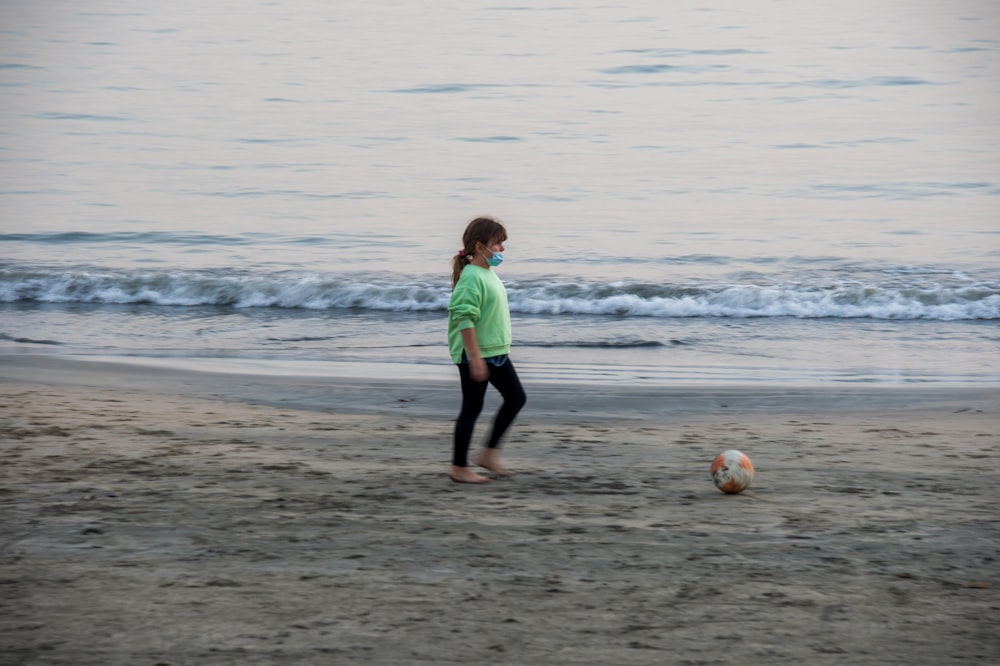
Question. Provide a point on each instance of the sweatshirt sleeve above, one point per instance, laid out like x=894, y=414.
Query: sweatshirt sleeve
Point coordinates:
x=466, y=304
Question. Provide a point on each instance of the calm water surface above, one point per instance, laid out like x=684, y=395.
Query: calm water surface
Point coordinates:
x=777, y=193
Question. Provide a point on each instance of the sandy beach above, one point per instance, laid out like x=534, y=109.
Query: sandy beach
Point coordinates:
x=166, y=516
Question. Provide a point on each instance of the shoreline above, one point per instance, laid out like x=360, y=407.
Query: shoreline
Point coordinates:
x=179, y=517
x=378, y=388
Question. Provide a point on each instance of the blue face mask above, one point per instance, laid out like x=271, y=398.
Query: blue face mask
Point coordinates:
x=496, y=259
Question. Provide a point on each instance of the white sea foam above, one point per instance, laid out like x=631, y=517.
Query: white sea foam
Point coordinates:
x=945, y=300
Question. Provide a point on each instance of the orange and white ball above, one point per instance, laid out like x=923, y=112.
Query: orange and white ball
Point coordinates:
x=732, y=471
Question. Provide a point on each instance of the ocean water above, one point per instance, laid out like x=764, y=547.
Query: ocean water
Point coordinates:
x=783, y=192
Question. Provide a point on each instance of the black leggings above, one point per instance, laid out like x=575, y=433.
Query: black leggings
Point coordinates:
x=505, y=379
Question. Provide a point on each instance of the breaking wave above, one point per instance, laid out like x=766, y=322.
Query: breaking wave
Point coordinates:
x=901, y=296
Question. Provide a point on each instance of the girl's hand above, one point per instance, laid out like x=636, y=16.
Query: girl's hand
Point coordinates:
x=478, y=370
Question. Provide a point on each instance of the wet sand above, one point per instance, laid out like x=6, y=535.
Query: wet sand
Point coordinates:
x=157, y=516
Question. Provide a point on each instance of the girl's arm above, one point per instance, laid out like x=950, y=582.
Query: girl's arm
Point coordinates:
x=477, y=366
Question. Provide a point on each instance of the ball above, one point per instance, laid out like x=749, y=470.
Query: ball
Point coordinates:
x=732, y=471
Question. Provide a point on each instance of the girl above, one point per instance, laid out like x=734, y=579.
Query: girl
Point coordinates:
x=479, y=341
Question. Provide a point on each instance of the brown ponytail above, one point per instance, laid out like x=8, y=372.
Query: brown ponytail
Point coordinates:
x=485, y=230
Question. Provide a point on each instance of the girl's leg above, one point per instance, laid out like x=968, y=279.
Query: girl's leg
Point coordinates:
x=473, y=394
x=507, y=382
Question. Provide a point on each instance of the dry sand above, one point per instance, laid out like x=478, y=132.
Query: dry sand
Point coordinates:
x=145, y=522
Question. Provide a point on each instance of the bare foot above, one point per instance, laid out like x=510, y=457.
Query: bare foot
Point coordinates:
x=490, y=459
x=465, y=475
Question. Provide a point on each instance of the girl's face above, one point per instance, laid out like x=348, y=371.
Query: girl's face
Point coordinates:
x=495, y=245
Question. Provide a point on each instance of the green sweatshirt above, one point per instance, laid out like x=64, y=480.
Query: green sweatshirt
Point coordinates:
x=479, y=301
